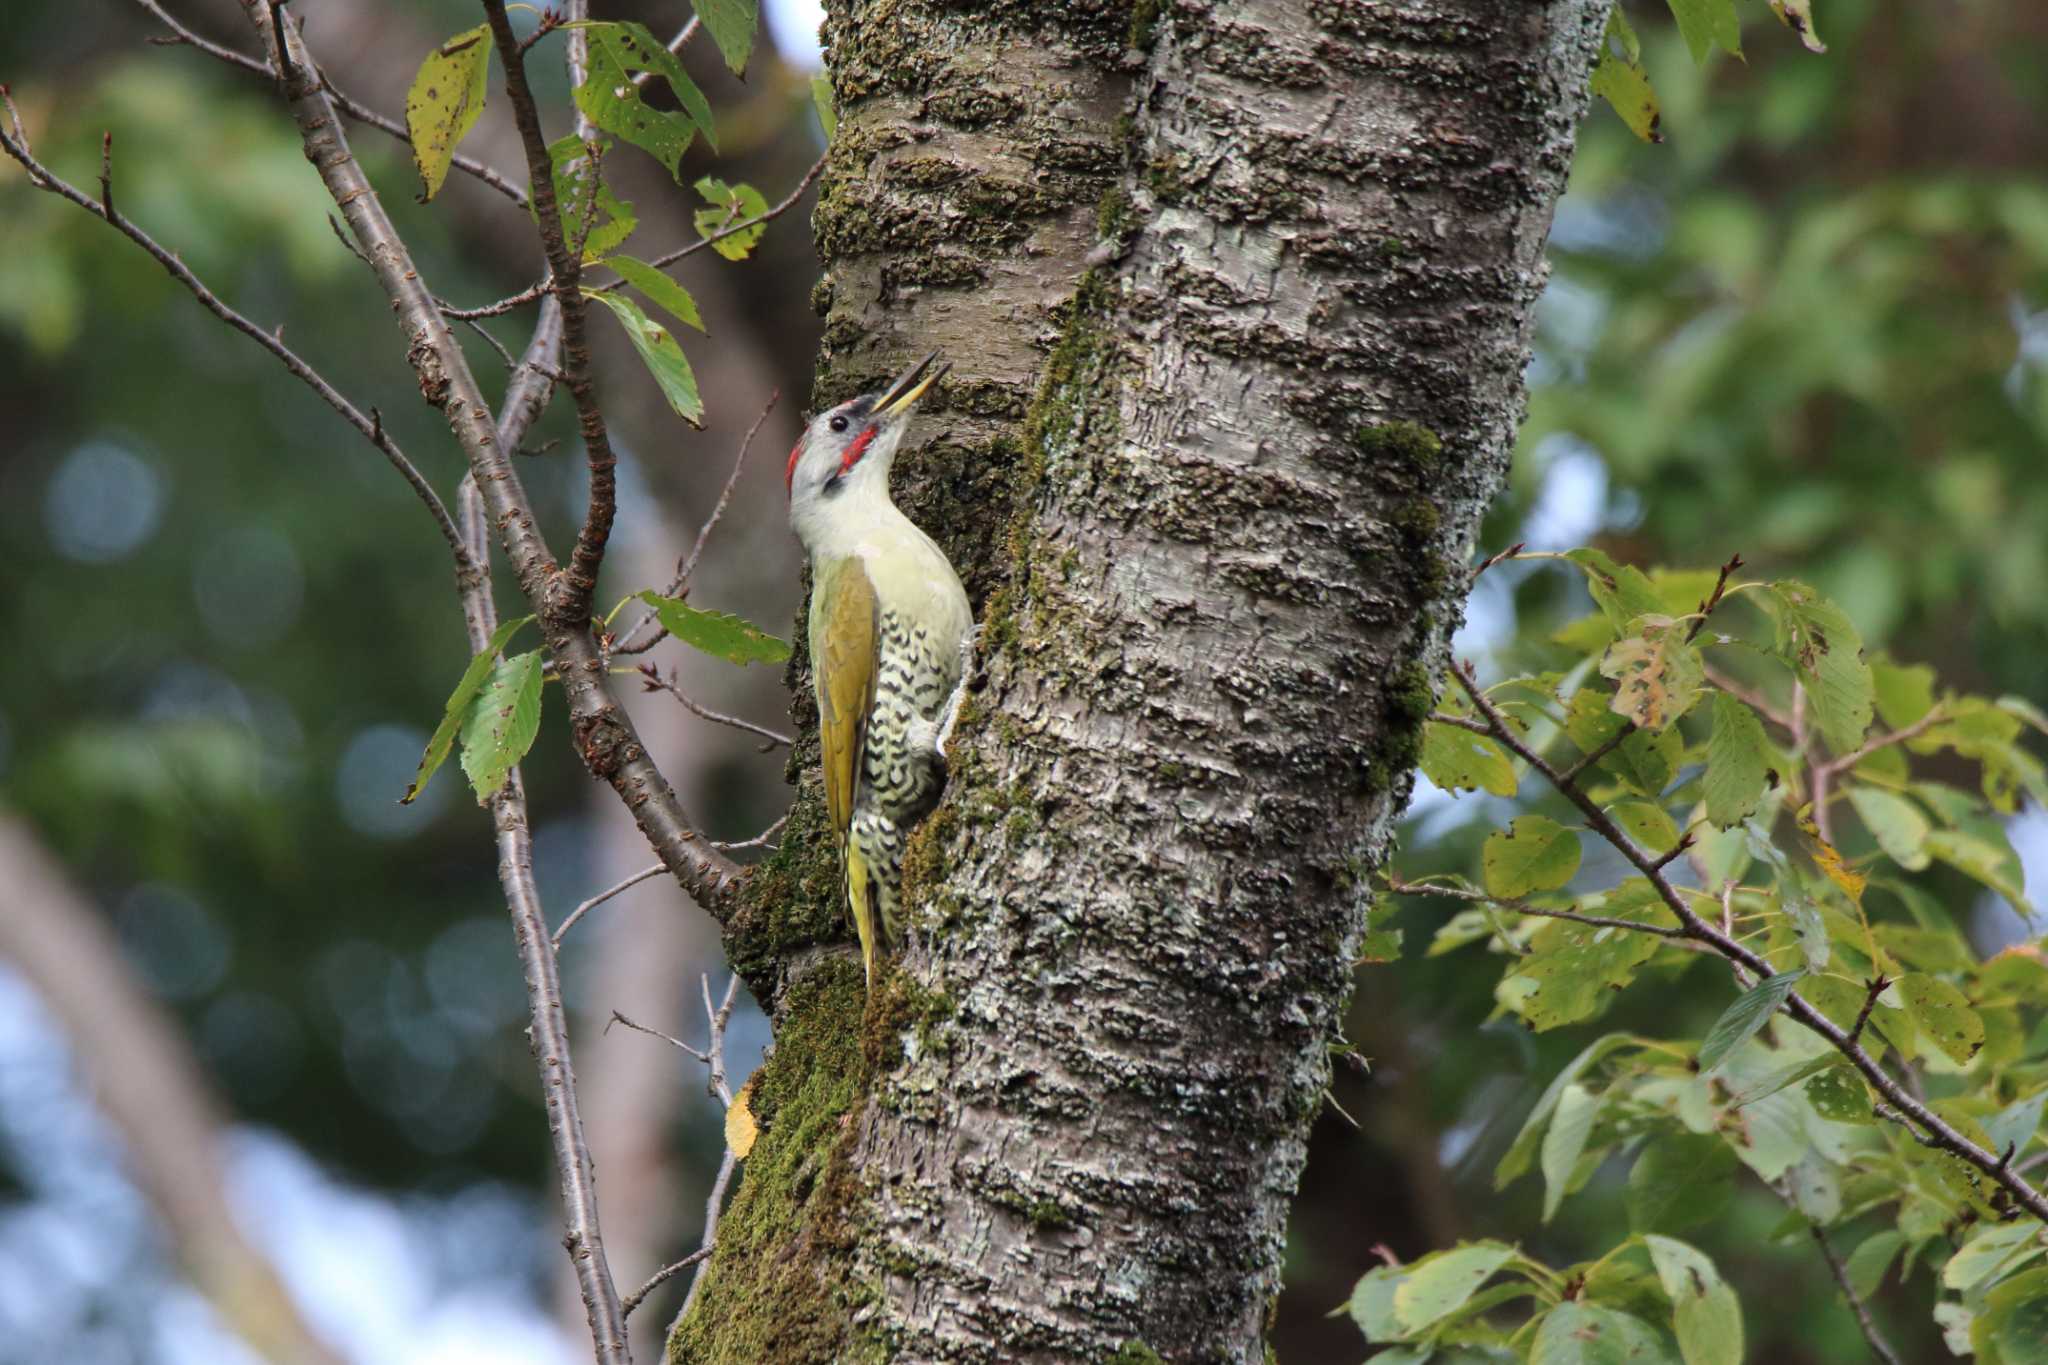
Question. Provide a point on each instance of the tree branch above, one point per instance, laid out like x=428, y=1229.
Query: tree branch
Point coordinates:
x=603, y=734
x=1927, y=1125
x=40, y=176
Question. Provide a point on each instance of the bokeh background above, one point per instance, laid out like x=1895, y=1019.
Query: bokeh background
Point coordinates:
x=1811, y=327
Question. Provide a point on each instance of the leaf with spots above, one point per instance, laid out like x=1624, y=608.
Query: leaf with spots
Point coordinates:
x=1587, y=1334
x=591, y=213
x=1456, y=759
x=444, y=103
x=1816, y=638
x=1797, y=15
x=661, y=354
x=610, y=100
x=1439, y=1284
x=1535, y=853
x=1704, y=1308
x=1830, y=861
x=715, y=632
x=730, y=204
x=1619, y=78
x=732, y=24
x=502, y=723
x=1944, y=1016
x=1657, y=673
x=452, y=714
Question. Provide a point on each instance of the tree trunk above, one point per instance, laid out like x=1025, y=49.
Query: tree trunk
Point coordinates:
x=1238, y=298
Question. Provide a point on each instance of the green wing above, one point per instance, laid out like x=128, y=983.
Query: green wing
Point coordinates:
x=843, y=630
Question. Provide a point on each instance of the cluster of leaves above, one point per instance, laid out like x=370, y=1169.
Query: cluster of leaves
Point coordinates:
x=494, y=711
x=447, y=97
x=1618, y=75
x=1759, y=774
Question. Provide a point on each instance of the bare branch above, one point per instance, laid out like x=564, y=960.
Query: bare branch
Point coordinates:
x=653, y=681
x=1926, y=1125
x=1477, y=727
x=502, y=306
x=619, y=1018
x=601, y=897
x=16, y=146
x=1522, y=907
x=667, y=1272
x=660, y=262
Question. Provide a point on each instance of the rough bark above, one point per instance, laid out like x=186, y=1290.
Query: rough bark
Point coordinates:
x=1238, y=299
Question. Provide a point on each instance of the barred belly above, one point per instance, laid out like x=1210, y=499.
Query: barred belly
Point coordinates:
x=901, y=774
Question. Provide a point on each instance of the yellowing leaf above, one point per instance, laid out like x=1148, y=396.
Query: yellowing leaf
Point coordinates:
x=446, y=98
x=740, y=1128
x=1821, y=644
x=1657, y=673
x=1619, y=78
x=1829, y=861
x=1535, y=853
x=1797, y=15
x=1944, y=1015
x=1458, y=760
x=730, y=205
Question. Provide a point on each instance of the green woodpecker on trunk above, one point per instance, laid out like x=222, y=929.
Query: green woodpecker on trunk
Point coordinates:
x=891, y=634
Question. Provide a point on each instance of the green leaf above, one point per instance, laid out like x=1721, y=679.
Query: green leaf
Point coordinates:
x=1647, y=824
x=1797, y=15
x=661, y=354
x=664, y=292
x=2015, y=1320
x=1439, y=1284
x=1740, y=1021
x=1904, y=694
x=715, y=632
x=1790, y=1074
x=1587, y=1334
x=1619, y=78
x=2012, y=1127
x=591, y=213
x=1523, y=1149
x=1535, y=853
x=610, y=100
x=1871, y=1258
x=1738, y=762
x=1820, y=643
x=1680, y=1181
x=730, y=204
x=1815, y=1187
x=466, y=688
x=1565, y=1143
x=1457, y=760
x=501, y=723
x=1944, y=1015
x=821, y=95
x=732, y=24
x=1573, y=971
x=1708, y=1318
x=1994, y=1249
x=1380, y=943
x=1896, y=823
x=1996, y=866
x=1705, y=23
x=1372, y=1303
x=1620, y=590
x=1657, y=674
x=446, y=98
x=1837, y=1093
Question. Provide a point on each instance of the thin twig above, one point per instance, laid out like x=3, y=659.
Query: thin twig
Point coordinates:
x=679, y=586
x=660, y=262
x=618, y=1018
x=1929, y=1127
x=1755, y=700
x=1872, y=989
x=1522, y=907
x=1477, y=727
x=1497, y=557
x=1836, y=767
x=1713, y=599
x=601, y=897
x=666, y=1273
x=652, y=680
x=43, y=178
x=1879, y=1347
x=502, y=306
x=468, y=165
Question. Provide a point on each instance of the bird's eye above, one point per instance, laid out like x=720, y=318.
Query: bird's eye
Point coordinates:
x=838, y=424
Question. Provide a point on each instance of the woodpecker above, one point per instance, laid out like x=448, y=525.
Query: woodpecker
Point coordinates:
x=891, y=635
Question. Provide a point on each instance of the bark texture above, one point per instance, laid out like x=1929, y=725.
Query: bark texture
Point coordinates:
x=1238, y=299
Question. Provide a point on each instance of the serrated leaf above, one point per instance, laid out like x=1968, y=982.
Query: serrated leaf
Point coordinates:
x=1573, y=971
x=716, y=632
x=1565, y=1143
x=732, y=24
x=1455, y=759
x=1620, y=590
x=466, y=688
x=591, y=213
x=1535, y=853
x=1619, y=78
x=1873, y=1256
x=1648, y=824
x=1740, y=1021
x=1896, y=823
x=662, y=291
x=1523, y=1149
x=501, y=723
x=446, y=98
x=1999, y=1247
x=1680, y=1181
x=1943, y=1015
x=1816, y=638
x=1704, y=1308
x=1439, y=1284
x=730, y=204
x=821, y=96
x=1738, y=762
x=1705, y=23
x=1797, y=15
x=1587, y=1334
x=610, y=100
x=1657, y=674
x=660, y=352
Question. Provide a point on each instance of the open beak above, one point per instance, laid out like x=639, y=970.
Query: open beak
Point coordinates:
x=910, y=386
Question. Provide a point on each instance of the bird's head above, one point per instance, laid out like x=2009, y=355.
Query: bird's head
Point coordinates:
x=847, y=450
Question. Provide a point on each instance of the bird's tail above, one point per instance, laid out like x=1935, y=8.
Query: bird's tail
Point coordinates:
x=863, y=913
